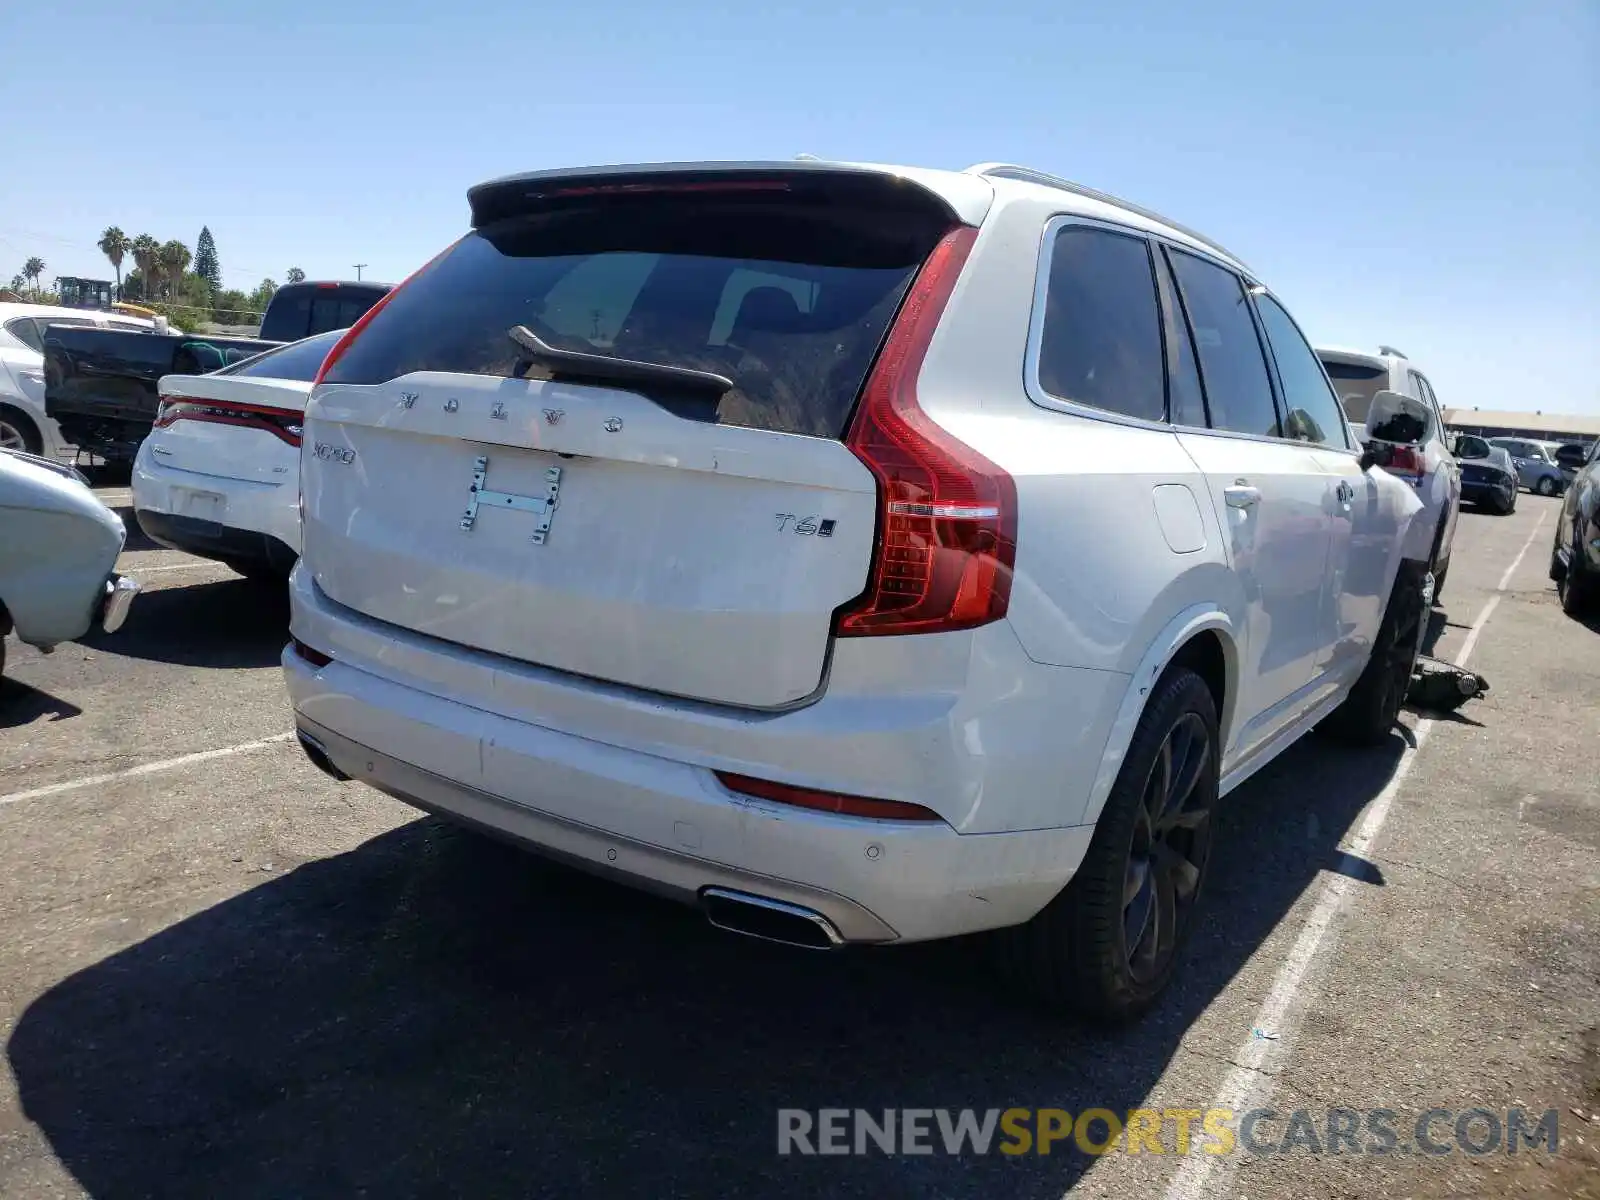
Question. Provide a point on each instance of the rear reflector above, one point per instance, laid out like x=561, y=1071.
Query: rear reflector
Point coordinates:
x=313, y=656
x=832, y=802
x=947, y=522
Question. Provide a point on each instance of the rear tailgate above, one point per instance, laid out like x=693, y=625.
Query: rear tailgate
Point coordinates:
x=633, y=532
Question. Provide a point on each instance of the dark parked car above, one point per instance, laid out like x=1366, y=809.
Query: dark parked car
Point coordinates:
x=100, y=384
x=1488, y=476
x=1571, y=457
x=1575, y=556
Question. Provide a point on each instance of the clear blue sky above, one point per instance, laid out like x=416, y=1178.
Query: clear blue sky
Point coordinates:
x=1419, y=172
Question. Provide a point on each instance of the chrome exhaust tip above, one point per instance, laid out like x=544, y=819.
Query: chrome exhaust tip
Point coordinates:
x=318, y=754
x=769, y=920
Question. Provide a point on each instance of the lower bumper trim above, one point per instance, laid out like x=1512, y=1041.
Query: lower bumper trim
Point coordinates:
x=673, y=874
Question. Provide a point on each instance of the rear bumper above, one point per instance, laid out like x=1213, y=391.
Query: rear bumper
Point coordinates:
x=210, y=539
x=652, y=811
x=1501, y=489
x=254, y=522
x=669, y=827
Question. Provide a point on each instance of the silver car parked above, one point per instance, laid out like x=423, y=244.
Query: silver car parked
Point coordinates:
x=58, y=553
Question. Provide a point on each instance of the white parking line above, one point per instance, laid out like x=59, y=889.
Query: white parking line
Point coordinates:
x=150, y=768
x=188, y=566
x=1249, y=1084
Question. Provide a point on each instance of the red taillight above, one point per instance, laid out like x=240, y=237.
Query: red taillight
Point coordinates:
x=1405, y=462
x=833, y=802
x=947, y=524
x=313, y=656
x=365, y=318
x=280, y=423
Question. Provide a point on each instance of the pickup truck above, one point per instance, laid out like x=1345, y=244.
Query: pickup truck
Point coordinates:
x=101, y=384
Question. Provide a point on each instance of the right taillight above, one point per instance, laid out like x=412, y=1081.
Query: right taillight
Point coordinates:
x=1406, y=463
x=947, y=519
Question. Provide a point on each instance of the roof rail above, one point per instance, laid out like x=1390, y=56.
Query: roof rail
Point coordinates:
x=1029, y=175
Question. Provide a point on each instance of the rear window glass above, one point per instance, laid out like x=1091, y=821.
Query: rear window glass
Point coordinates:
x=1356, y=385
x=288, y=317
x=300, y=360
x=335, y=311
x=788, y=299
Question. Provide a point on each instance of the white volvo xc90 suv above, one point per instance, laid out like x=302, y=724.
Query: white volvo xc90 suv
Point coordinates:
x=866, y=554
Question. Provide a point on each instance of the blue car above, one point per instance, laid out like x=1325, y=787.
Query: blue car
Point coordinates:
x=1536, y=467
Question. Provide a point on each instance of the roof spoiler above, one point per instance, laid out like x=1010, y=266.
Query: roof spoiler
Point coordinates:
x=540, y=191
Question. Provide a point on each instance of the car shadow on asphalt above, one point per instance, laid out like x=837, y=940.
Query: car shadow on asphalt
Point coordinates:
x=137, y=538
x=435, y=1013
x=225, y=623
x=21, y=705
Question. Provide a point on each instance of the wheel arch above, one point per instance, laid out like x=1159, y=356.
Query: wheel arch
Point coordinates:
x=1203, y=638
x=28, y=421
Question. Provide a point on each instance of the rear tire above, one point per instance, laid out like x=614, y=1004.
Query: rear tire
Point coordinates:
x=1370, y=711
x=1545, y=487
x=1439, y=573
x=1576, y=587
x=1144, y=873
x=18, y=432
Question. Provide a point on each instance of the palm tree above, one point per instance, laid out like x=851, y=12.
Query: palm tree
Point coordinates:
x=32, y=269
x=146, y=253
x=174, y=262
x=114, y=244
x=295, y=275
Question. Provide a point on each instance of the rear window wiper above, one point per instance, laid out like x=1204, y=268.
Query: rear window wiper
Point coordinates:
x=646, y=377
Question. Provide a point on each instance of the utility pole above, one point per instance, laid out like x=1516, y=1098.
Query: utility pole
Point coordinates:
x=358, y=267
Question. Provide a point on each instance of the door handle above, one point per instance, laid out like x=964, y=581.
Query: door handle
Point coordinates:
x=1242, y=495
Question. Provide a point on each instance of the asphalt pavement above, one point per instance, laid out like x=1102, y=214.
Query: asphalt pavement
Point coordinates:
x=223, y=974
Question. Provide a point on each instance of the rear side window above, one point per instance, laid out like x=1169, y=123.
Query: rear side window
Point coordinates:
x=789, y=299
x=1311, y=412
x=22, y=328
x=1356, y=386
x=31, y=330
x=299, y=360
x=1100, y=344
x=1233, y=367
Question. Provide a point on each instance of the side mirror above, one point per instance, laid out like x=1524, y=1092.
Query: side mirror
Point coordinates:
x=1395, y=419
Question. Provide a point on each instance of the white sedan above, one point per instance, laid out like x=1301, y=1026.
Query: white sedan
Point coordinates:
x=219, y=475
x=23, y=423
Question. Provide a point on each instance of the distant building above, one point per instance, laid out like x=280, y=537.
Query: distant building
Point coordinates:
x=1540, y=426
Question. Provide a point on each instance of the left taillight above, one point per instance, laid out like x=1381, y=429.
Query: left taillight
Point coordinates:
x=280, y=423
